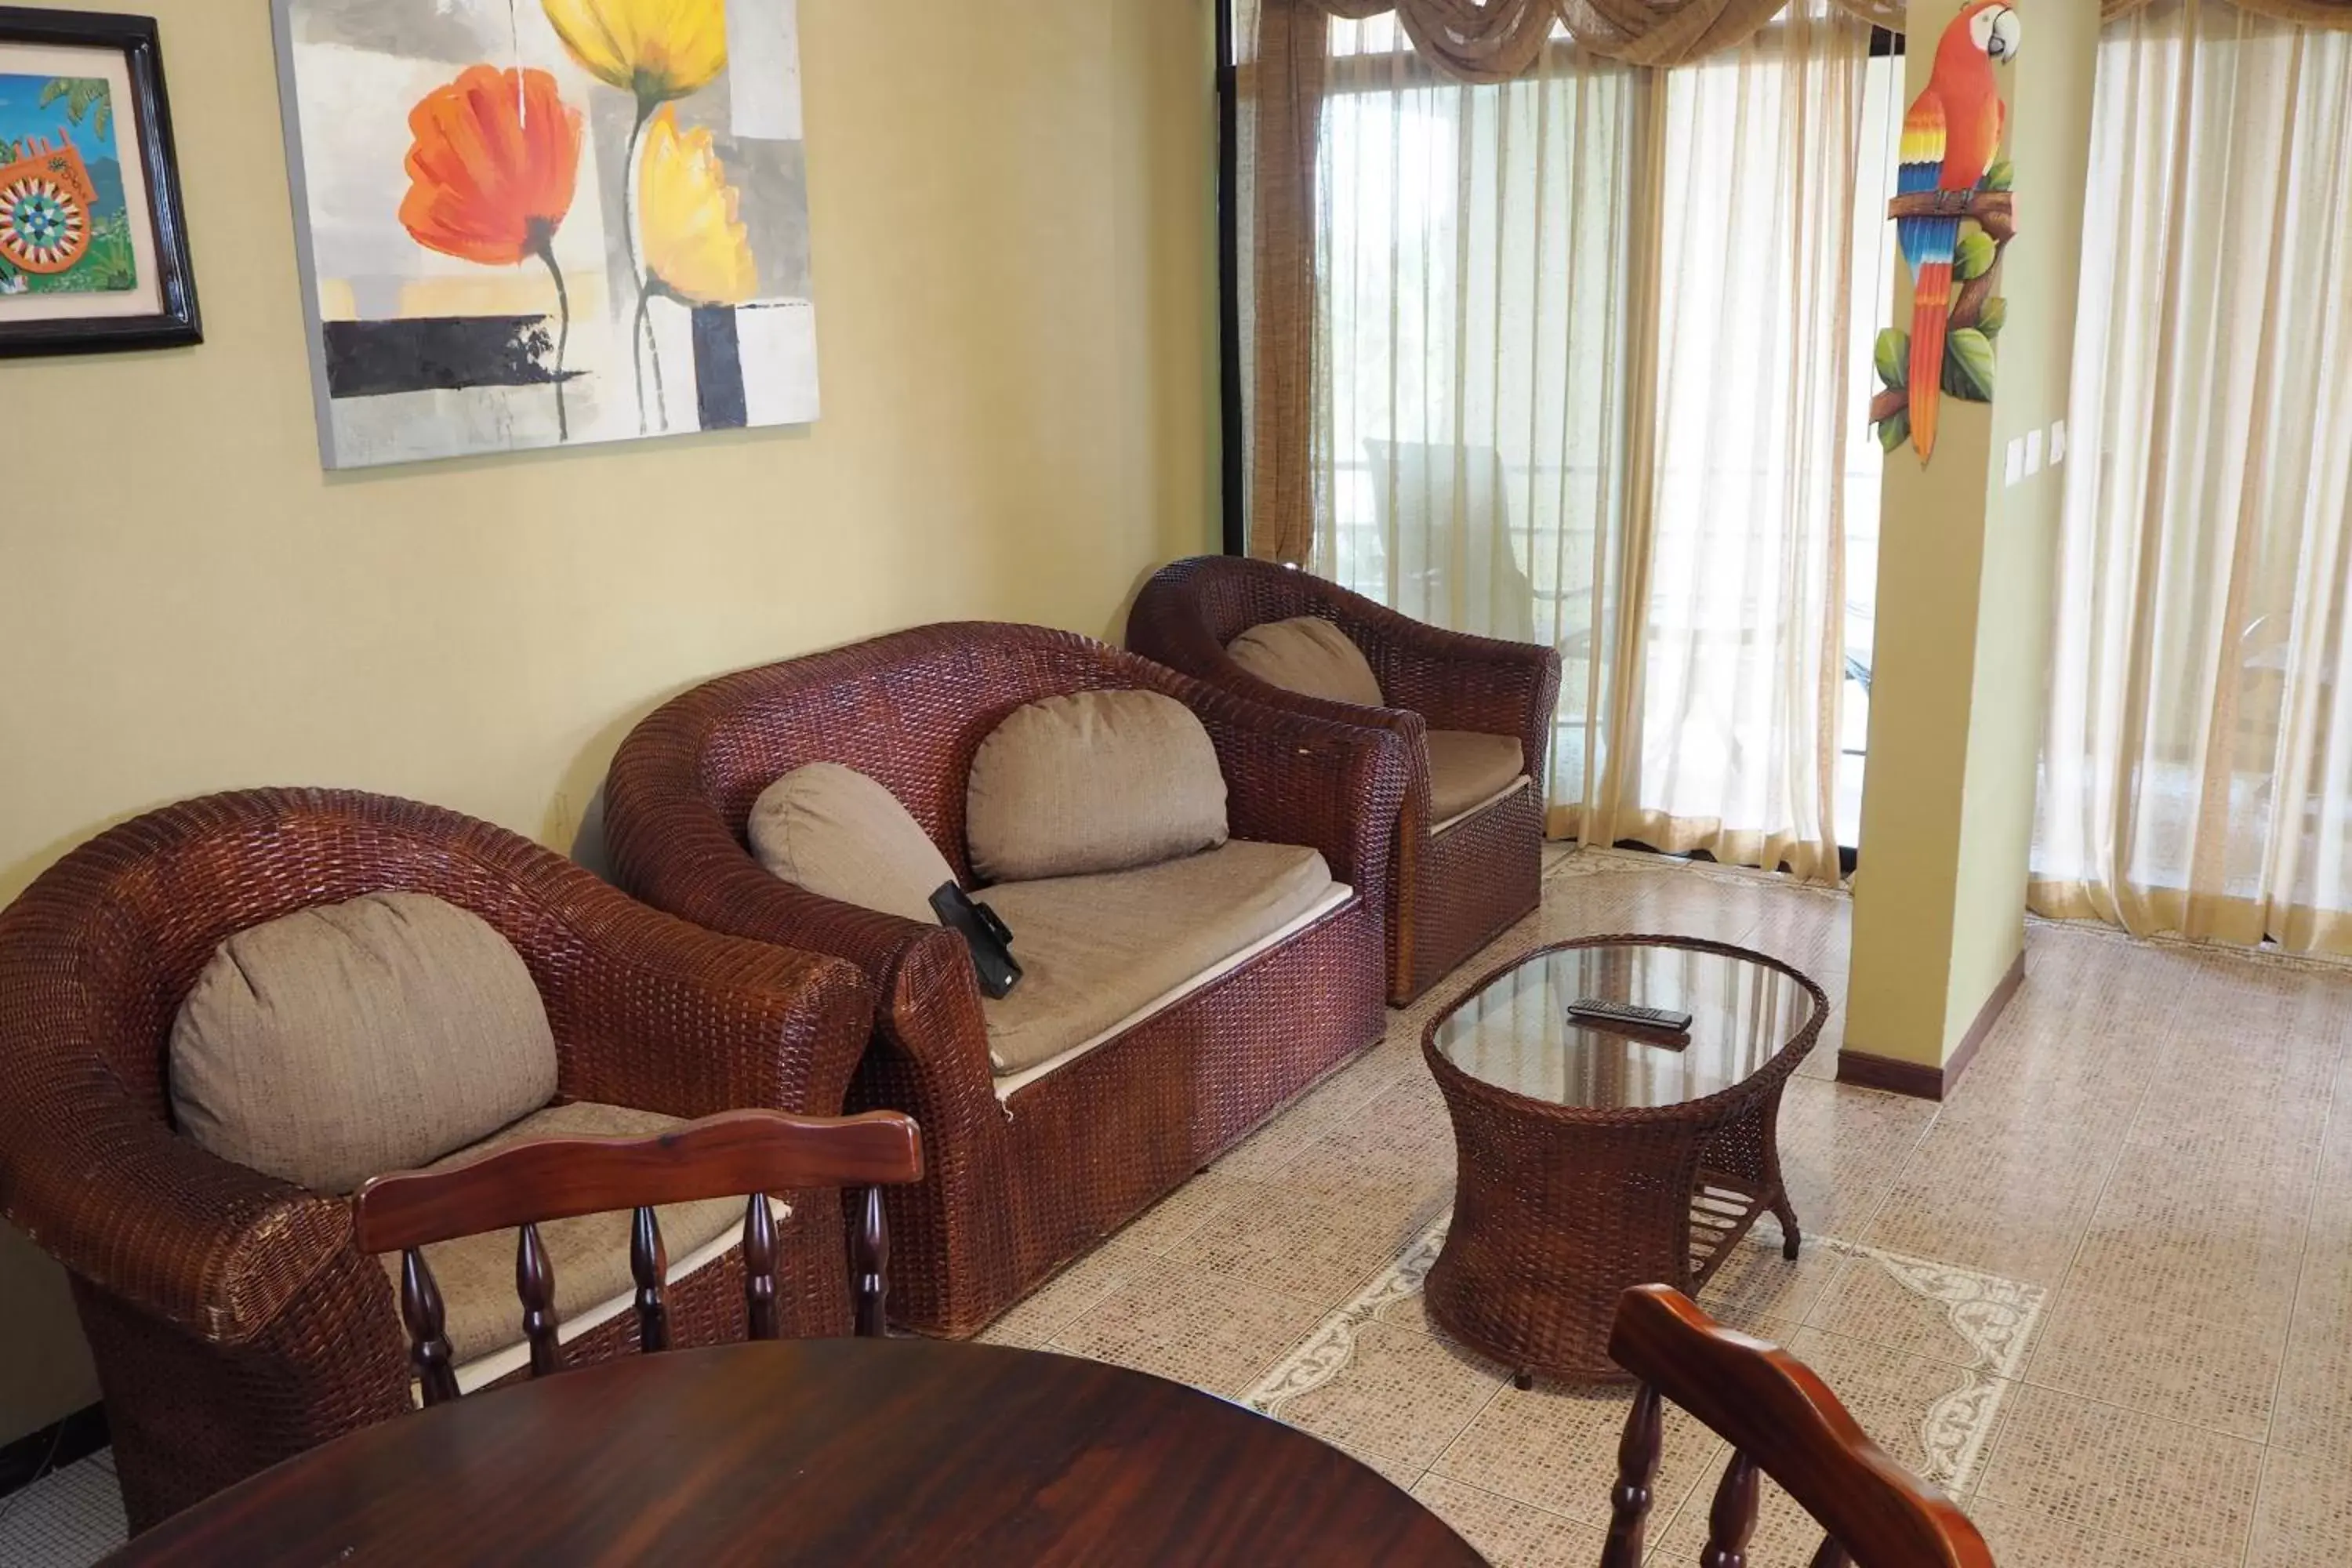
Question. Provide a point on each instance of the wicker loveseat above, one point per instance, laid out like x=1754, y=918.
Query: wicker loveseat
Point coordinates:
x=1454, y=884
x=233, y=1320
x=1022, y=1175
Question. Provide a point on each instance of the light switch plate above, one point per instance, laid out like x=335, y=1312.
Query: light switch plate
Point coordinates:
x=2033, y=453
x=2016, y=459
x=2057, y=443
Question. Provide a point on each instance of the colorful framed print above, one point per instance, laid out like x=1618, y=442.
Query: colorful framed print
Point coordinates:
x=93, y=242
x=528, y=224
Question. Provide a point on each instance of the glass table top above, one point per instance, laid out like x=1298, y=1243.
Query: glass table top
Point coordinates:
x=1517, y=1035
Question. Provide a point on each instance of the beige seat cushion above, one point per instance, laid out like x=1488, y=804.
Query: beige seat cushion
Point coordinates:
x=348, y=1039
x=1311, y=656
x=1467, y=769
x=840, y=834
x=1098, y=949
x=588, y=1253
x=1097, y=781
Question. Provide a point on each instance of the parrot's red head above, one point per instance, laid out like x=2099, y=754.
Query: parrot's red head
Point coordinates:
x=1990, y=29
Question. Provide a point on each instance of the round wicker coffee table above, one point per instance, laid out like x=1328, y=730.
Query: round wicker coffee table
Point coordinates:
x=1595, y=1158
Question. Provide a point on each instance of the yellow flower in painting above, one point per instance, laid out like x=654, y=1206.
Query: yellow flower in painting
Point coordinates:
x=657, y=50
x=696, y=244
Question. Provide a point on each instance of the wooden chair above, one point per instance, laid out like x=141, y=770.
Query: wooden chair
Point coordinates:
x=523, y=1184
x=1781, y=1421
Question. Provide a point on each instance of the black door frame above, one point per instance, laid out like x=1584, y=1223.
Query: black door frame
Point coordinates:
x=1229, y=286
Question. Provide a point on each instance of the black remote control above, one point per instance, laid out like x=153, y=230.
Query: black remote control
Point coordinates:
x=988, y=938
x=1657, y=1019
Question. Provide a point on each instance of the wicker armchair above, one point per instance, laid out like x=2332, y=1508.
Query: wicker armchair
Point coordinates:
x=1450, y=891
x=234, y=1320
x=1014, y=1188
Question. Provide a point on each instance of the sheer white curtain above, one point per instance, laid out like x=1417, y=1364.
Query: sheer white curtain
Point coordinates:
x=1728, y=738
x=1588, y=370
x=1473, y=257
x=2198, y=770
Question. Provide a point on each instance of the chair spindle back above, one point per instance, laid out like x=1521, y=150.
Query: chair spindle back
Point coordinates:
x=1781, y=1421
x=523, y=1184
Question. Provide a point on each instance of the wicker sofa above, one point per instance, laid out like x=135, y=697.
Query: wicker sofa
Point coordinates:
x=233, y=1320
x=1022, y=1175
x=1453, y=885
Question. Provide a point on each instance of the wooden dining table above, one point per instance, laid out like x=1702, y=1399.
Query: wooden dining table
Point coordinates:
x=819, y=1451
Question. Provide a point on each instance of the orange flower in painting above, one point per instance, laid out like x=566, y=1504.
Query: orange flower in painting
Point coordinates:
x=494, y=166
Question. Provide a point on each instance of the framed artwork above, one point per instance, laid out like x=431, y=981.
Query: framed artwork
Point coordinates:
x=539, y=223
x=93, y=245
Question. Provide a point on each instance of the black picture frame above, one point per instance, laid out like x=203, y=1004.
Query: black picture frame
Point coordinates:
x=178, y=324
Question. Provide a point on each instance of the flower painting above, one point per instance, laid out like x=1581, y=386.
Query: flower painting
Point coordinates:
x=540, y=223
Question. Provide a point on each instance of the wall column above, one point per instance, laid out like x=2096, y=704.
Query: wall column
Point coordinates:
x=1966, y=561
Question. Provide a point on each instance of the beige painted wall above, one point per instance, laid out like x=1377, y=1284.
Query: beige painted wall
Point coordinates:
x=1961, y=686
x=1011, y=206
x=2051, y=123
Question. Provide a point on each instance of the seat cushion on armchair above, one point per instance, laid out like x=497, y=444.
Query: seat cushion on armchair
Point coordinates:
x=1093, y=782
x=588, y=1254
x=840, y=834
x=348, y=1039
x=1098, y=950
x=1310, y=655
x=1466, y=770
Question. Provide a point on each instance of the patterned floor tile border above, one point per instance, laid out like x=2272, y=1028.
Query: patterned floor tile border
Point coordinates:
x=1324, y=1354
x=1995, y=1317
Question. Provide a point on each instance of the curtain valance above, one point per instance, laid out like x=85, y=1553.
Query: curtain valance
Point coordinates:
x=1495, y=40
x=2303, y=13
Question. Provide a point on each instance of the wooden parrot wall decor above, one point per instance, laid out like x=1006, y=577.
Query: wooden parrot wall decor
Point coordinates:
x=1953, y=216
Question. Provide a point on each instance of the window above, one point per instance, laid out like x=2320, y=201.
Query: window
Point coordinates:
x=1498, y=398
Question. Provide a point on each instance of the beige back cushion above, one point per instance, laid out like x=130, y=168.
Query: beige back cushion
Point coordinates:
x=840, y=834
x=348, y=1040
x=1099, y=780
x=1311, y=656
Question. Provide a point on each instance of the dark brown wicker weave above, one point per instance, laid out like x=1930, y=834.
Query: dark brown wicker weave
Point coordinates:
x=1014, y=1190
x=1559, y=1210
x=1448, y=895
x=234, y=1320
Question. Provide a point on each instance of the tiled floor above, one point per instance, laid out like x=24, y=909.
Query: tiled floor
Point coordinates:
x=2104, y=1294
x=65, y=1520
